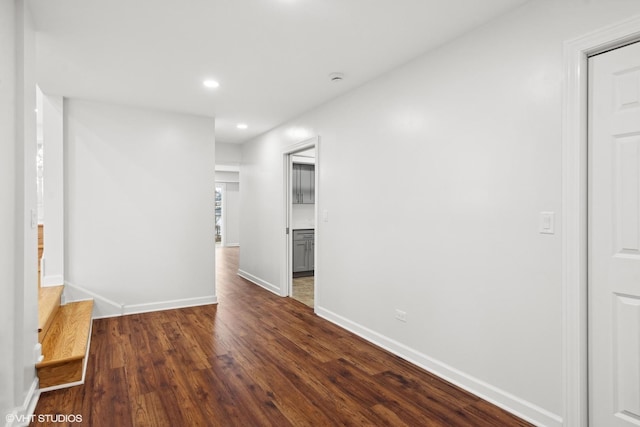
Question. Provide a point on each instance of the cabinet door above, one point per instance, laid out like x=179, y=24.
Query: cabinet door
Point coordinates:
x=300, y=256
x=295, y=184
x=307, y=184
x=311, y=255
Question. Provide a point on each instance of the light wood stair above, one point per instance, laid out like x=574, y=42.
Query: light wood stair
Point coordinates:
x=48, y=303
x=65, y=334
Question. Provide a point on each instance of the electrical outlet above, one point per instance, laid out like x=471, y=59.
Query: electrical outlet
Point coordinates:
x=401, y=315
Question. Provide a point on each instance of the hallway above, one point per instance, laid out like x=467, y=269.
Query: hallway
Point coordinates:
x=255, y=359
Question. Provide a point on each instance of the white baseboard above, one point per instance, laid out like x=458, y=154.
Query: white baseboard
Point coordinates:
x=104, y=307
x=258, y=281
x=22, y=415
x=169, y=305
x=517, y=406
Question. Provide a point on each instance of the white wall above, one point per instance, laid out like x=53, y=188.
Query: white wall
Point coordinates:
x=303, y=216
x=473, y=131
x=231, y=207
x=26, y=206
x=52, y=127
x=18, y=245
x=227, y=166
x=227, y=176
x=8, y=311
x=228, y=154
x=139, y=207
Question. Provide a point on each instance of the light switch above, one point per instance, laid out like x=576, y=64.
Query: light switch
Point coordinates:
x=325, y=215
x=547, y=222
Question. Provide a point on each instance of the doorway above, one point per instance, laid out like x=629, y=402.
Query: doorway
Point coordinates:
x=301, y=192
x=218, y=213
x=227, y=210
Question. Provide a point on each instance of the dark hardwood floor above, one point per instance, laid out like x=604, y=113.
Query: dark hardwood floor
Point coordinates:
x=255, y=359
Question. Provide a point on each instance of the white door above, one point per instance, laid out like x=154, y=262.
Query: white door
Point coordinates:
x=614, y=238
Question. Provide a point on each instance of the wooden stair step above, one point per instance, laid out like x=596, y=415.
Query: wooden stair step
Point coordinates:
x=48, y=303
x=65, y=345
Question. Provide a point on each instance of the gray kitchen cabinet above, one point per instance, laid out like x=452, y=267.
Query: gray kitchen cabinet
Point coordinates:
x=303, y=250
x=304, y=183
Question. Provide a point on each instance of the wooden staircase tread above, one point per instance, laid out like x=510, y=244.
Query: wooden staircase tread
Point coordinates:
x=68, y=334
x=48, y=303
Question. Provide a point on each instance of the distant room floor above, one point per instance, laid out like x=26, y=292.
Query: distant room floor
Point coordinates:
x=303, y=290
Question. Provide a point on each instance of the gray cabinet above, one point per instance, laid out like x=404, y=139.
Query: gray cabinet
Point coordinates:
x=304, y=183
x=303, y=249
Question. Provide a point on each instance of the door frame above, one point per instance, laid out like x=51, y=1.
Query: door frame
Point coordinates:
x=574, y=210
x=288, y=152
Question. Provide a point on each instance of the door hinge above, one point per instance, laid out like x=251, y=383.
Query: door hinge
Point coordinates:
x=287, y=230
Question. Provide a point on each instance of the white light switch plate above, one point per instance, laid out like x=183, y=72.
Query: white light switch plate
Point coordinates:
x=547, y=222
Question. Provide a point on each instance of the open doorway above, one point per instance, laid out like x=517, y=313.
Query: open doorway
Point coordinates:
x=218, y=214
x=302, y=198
x=227, y=210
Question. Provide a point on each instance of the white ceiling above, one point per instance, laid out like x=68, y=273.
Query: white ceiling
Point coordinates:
x=271, y=57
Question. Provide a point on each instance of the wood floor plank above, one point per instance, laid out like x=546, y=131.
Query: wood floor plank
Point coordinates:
x=255, y=359
x=298, y=409
x=148, y=411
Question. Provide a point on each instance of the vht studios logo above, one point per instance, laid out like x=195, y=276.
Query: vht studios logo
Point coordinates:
x=44, y=418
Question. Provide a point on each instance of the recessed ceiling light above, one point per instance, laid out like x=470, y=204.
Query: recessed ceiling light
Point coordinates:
x=211, y=84
x=242, y=126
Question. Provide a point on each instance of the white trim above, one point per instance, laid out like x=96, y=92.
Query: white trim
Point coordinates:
x=517, y=406
x=287, y=280
x=574, y=211
x=65, y=385
x=305, y=160
x=104, y=308
x=258, y=281
x=21, y=416
x=227, y=167
x=169, y=305
x=101, y=304
x=52, y=280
